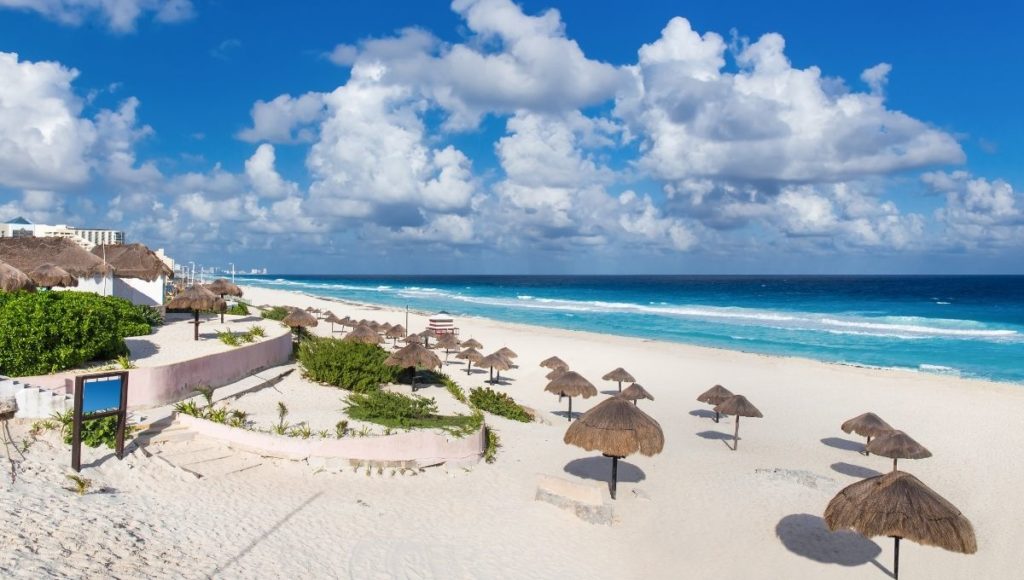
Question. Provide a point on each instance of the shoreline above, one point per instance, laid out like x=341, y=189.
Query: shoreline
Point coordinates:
x=899, y=371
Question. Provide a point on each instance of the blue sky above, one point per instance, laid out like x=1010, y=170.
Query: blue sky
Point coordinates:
x=534, y=137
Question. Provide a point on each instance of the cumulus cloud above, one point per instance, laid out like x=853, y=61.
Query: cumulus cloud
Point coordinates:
x=119, y=15
x=285, y=119
x=264, y=178
x=979, y=212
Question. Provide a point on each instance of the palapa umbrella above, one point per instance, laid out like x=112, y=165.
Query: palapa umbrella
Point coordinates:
x=394, y=333
x=384, y=328
x=472, y=343
x=554, y=374
x=634, y=392
x=223, y=287
x=553, y=362
x=196, y=298
x=364, y=334
x=738, y=406
x=48, y=276
x=426, y=335
x=714, y=396
x=899, y=505
x=413, y=355
x=867, y=425
x=616, y=429
x=507, y=353
x=333, y=320
x=619, y=375
x=897, y=445
x=571, y=384
x=470, y=355
x=413, y=338
x=347, y=322
x=494, y=361
x=297, y=319
x=449, y=343
x=13, y=279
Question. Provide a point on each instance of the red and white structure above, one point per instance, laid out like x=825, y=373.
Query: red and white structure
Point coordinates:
x=442, y=323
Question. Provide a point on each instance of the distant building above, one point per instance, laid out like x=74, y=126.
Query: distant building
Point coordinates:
x=86, y=238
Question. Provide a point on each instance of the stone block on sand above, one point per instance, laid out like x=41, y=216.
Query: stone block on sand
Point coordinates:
x=584, y=499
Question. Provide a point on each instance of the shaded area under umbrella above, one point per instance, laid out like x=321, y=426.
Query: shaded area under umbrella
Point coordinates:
x=413, y=355
x=196, y=298
x=571, y=384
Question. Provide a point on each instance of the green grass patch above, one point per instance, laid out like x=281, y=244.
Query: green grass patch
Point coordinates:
x=401, y=411
x=498, y=403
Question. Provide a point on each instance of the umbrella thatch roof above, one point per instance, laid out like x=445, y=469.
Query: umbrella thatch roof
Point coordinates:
x=616, y=428
x=413, y=338
x=27, y=254
x=13, y=279
x=635, y=392
x=896, y=444
x=134, y=261
x=571, y=384
x=362, y=333
x=222, y=287
x=555, y=373
x=472, y=343
x=396, y=331
x=738, y=405
x=196, y=297
x=413, y=355
x=470, y=354
x=297, y=318
x=897, y=504
x=384, y=327
x=553, y=362
x=332, y=318
x=715, y=395
x=347, y=321
x=448, y=341
x=48, y=276
x=507, y=352
x=427, y=334
x=494, y=361
x=619, y=375
x=867, y=425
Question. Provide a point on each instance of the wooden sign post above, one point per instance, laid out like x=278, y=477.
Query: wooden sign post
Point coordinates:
x=98, y=396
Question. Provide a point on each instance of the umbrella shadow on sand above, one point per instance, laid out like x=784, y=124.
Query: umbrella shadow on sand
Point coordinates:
x=806, y=535
x=597, y=468
x=725, y=438
x=854, y=470
x=703, y=413
x=844, y=444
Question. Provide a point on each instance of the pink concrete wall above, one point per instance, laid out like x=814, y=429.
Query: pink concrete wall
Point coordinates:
x=160, y=385
x=423, y=447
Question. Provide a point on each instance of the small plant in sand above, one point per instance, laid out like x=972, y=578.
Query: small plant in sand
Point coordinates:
x=257, y=331
x=498, y=403
x=81, y=485
x=188, y=408
x=40, y=427
x=276, y=313
x=493, y=443
x=237, y=418
x=340, y=428
x=281, y=428
x=125, y=362
x=323, y=434
x=246, y=337
x=227, y=337
x=217, y=415
x=238, y=309
x=301, y=430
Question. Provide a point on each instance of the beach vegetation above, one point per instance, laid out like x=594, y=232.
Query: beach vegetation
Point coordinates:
x=188, y=408
x=43, y=425
x=453, y=388
x=493, y=444
x=498, y=403
x=47, y=332
x=301, y=430
x=95, y=432
x=275, y=313
x=217, y=415
x=227, y=337
x=80, y=485
x=340, y=429
x=352, y=366
x=257, y=331
x=238, y=309
x=125, y=362
x=402, y=411
x=207, y=393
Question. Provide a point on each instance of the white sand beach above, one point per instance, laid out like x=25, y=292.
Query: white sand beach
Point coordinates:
x=697, y=510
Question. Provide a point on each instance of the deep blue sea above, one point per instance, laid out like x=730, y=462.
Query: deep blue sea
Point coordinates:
x=970, y=326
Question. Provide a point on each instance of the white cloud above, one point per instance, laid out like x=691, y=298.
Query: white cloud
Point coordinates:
x=876, y=77
x=978, y=212
x=264, y=178
x=285, y=119
x=119, y=15
x=118, y=132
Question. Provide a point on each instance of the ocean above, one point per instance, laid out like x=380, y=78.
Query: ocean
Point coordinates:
x=968, y=326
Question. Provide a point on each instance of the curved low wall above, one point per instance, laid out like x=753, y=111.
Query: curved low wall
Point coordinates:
x=421, y=448
x=160, y=385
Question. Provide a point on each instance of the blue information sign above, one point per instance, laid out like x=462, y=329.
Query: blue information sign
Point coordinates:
x=101, y=395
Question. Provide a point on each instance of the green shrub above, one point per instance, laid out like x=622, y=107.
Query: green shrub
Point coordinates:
x=95, y=432
x=238, y=308
x=47, y=332
x=396, y=410
x=150, y=314
x=498, y=403
x=493, y=443
x=229, y=338
x=276, y=313
x=453, y=388
x=257, y=331
x=350, y=365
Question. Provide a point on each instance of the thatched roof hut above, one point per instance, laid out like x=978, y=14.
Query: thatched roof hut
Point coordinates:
x=553, y=362
x=49, y=276
x=13, y=279
x=472, y=343
x=196, y=298
x=27, y=254
x=900, y=506
x=134, y=261
x=635, y=392
x=896, y=444
x=362, y=333
x=739, y=406
x=616, y=429
x=619, y=375
x=570, y=384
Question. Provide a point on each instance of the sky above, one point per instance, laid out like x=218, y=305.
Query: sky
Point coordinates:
x=538, y=137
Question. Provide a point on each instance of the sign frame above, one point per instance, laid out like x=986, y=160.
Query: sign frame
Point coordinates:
x=121, y=412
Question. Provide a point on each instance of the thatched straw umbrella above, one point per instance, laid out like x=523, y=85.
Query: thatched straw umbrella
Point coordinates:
x=223, y=287
x=553, y=362
x=413, y=355
x=555, y=373
x=494, y=361
x=507, y=353
x=470, y=355
x=898, y=505
x=297, y=319
x=413, y=338
x=897, y=445
x=426, y=335
x=196, y=298
x=714, y=396
x=571, y=384
x=867, y=425
x=48, y=276
x=738, y=406
x=634, y=392
x=394, y=333
x=449, y=343
x=347, y=322
x=384, y=328
x=13, y=279
x=472, y=343
x=616, y=429
x=363, y=334
x=620, y=375
x=333, y=319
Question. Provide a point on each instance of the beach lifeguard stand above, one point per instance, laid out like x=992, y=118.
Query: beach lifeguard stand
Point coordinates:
x=442, y=323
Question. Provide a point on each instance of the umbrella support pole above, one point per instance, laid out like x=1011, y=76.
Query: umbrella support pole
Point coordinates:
x=222, y=313
x=736, y=435
x=196, y=323
x=620, y=386
x=894, y=464
x=468, y=364
x=570, y=409
x=615, y=474
x=716, y=416
x=492, y=375
x=866, y=452
x=896, y=559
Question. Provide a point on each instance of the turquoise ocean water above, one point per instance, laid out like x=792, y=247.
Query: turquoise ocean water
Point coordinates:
x=970, y=326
